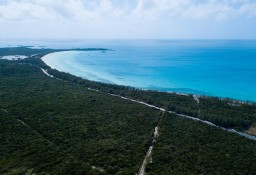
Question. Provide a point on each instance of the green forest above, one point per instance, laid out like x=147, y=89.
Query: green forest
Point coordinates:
x=189, y=147
x=55, y=126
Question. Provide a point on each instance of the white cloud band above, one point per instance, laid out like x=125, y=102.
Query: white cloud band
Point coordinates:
x=128, y=18
x=82, y=10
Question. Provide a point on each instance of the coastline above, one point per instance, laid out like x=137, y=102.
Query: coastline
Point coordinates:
x=99, y=77
x=196, y=98
x=83, y=72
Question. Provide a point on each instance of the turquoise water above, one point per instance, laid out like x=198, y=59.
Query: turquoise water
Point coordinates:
x=214, y=68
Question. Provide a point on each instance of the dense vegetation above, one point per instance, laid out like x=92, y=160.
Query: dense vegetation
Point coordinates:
x=23, y=51
x=189, y=147
x=49, y=126
x=79, y=126
x=24, y=150
x=227, y=113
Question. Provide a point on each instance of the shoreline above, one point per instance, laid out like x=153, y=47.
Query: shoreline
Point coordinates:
x=231, y=130
x=85, y=72
x=230, y=100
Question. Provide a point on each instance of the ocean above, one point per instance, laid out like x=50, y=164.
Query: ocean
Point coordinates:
x=222, y=68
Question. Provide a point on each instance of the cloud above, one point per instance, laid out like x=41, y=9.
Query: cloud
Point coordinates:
x=142, y=9
x=115, y=16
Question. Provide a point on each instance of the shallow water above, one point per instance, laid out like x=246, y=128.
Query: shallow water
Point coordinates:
x=215, y=68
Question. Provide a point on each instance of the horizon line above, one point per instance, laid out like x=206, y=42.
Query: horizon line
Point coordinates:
x=220, y=39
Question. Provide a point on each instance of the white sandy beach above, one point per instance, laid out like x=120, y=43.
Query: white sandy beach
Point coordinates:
x=64, y=62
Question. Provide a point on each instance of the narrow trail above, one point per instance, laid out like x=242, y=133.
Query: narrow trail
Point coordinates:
x=170, y=112
x=23, y=123
x=145, y=161
x=196, y=98
x=148, y=157
x=46, y=73
x=49, y=75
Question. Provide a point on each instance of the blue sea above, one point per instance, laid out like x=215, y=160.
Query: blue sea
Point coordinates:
x=222, y=68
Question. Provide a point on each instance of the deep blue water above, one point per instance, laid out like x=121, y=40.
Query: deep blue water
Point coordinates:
x=215, y=68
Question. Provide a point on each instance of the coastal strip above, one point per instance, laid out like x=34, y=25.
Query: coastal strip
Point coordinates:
x=171, y=112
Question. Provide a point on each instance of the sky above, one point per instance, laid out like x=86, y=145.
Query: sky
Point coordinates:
x=127, y=19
